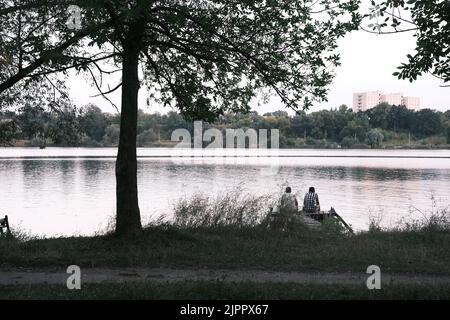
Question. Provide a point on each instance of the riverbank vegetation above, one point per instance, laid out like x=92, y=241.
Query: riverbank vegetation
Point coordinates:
x=384, y=126
x=209, y=233
x=300, y=249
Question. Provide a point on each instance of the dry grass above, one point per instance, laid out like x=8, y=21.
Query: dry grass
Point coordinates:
x=233, y=208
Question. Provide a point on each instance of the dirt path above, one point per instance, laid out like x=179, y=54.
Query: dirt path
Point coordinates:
x=98, y=275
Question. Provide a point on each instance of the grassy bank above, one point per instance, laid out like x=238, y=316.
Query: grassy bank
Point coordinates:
x=222, y=290
x=221, y=234
x=228, y=232
x=249, y=248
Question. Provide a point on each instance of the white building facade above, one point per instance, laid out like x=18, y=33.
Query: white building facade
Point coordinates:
x=366, y=100
x=412, y=103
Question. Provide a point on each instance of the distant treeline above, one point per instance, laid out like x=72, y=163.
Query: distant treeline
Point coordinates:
x=383, y=125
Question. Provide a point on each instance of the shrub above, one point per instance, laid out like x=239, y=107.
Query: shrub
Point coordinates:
x=232, y=208
x=436, y=220
x=347, y=142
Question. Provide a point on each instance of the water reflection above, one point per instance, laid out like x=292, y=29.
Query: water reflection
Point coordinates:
x=77, y=196
x=364, y=173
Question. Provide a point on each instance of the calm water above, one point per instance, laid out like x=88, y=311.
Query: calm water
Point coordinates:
x=72, y=191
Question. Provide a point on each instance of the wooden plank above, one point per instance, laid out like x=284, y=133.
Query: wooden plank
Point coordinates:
x=4, y=224
x=339, y=218
x=7, y=225
x=310, y=222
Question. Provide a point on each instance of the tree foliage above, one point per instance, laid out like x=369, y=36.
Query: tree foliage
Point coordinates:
x=430, y=22
x=202, y=57
x=375, y=138
x=340, y=126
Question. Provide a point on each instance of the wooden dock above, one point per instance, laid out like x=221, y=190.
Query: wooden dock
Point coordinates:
x=314, y=220
x=332, y=214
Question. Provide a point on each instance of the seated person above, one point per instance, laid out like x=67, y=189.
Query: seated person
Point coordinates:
x=286, y=210
x=311, y=202
x=288, y=201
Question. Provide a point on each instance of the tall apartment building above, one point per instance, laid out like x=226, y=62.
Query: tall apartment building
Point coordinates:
x=366, y=100
x=394, y=99
x=412, y=103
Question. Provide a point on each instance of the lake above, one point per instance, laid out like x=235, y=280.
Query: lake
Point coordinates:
x=71, y=191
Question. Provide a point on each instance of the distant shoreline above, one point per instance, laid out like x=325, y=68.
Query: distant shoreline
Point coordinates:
x=220, y=157
x=171, y=153
x=415, y=148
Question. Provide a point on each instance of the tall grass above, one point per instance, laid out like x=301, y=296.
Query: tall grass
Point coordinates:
x=18, y=233
x=232, y=208
x=435, y=220
x=237, y=209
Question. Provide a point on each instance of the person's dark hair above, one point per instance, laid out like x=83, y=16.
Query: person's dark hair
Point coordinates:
x=288, y=190
x=312, y=189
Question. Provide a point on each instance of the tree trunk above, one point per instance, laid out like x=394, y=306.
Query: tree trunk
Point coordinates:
x=128, y=219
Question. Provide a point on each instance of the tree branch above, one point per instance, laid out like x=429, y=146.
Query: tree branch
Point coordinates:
x=47, y=55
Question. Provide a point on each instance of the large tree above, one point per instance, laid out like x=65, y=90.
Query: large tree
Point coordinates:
x=429, y=20
x=202, y=57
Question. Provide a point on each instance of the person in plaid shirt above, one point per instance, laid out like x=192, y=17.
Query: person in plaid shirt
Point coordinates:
x=311, y=202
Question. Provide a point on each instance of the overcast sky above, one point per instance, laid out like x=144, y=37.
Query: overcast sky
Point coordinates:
x=368, y=62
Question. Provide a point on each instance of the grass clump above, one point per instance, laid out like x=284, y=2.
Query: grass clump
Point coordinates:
x=435, y=221
x=233, y=208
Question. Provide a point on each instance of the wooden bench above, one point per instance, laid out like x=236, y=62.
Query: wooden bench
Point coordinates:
x=313, y=220
x=4, y=224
